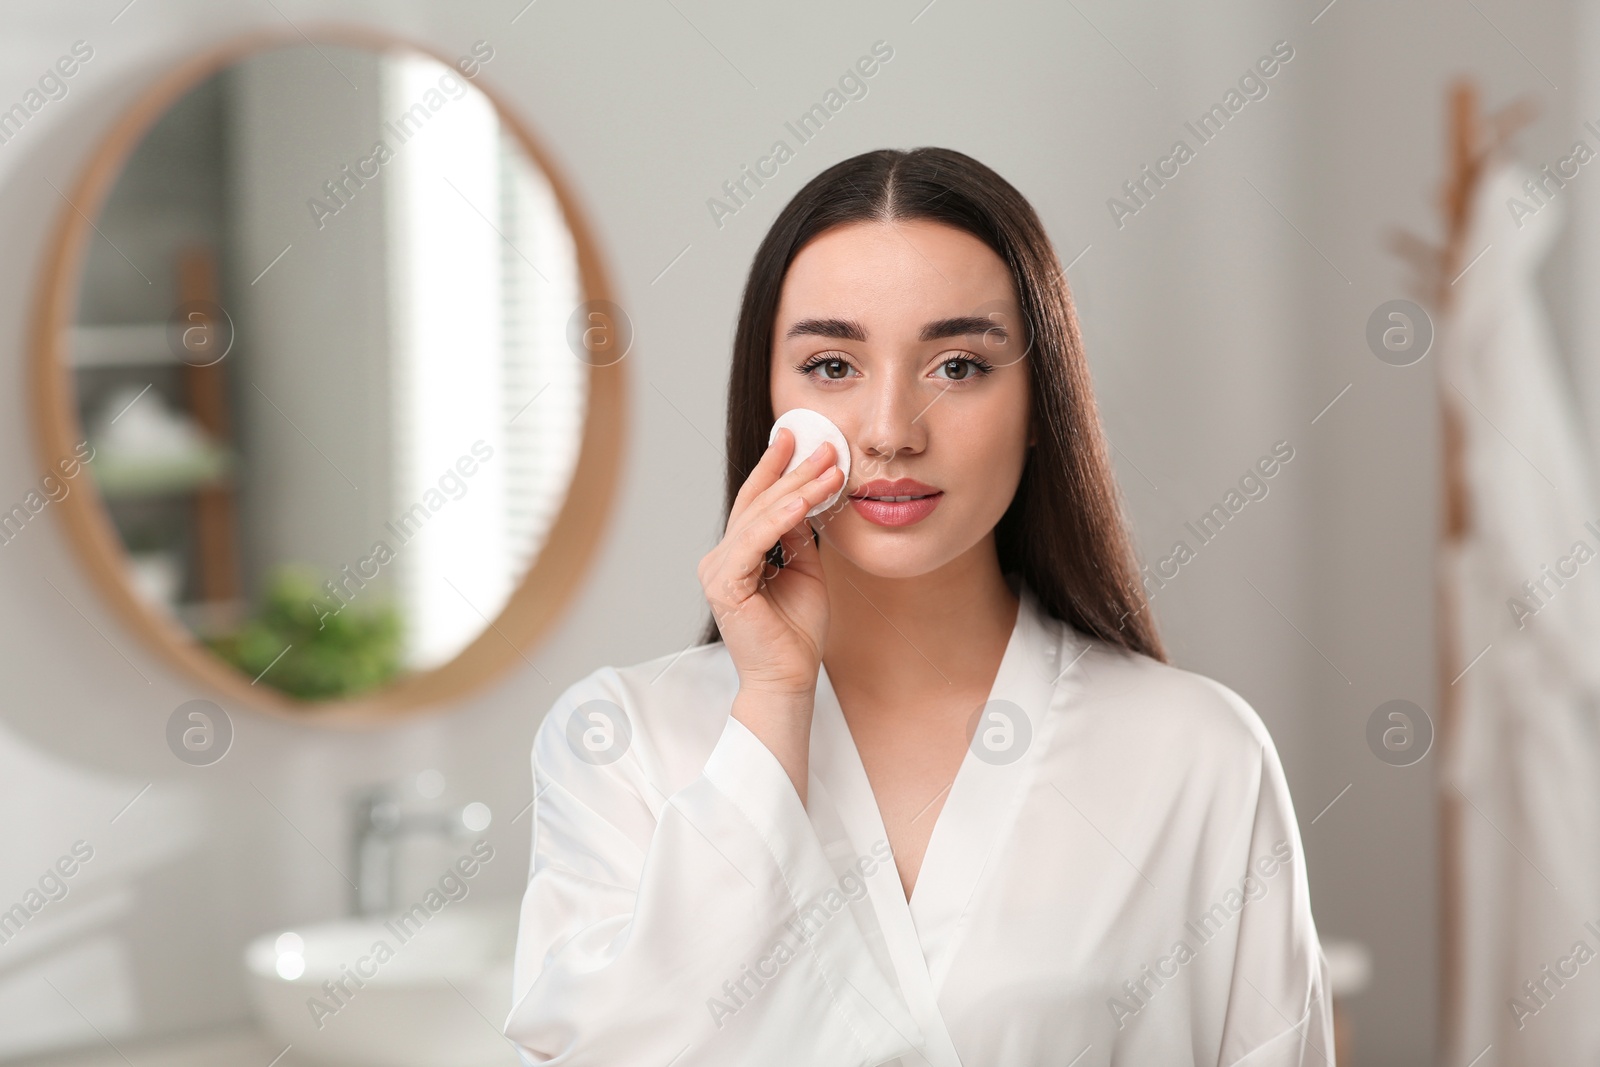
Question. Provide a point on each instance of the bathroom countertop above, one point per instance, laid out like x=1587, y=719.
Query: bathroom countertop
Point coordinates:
x=235, y=1047
x=245, y=1046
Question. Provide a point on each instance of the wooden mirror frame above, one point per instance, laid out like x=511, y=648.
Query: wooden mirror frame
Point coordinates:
x=541, y=595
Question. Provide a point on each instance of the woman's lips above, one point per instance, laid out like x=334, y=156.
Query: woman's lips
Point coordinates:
x=897, y=512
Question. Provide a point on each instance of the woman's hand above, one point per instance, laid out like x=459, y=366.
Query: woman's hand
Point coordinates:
x=773, y=624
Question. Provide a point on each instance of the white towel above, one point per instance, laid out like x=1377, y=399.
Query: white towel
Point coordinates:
x=1527, y=753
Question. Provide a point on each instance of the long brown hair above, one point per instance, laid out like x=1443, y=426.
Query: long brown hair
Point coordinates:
x=1064, y=533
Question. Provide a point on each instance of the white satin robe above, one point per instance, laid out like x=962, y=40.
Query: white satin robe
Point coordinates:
x=1129, y=890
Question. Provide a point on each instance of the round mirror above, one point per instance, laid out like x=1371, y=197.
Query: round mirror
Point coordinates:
x=328, y=376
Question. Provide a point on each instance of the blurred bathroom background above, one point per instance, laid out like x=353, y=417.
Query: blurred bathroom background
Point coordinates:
x=419, y=330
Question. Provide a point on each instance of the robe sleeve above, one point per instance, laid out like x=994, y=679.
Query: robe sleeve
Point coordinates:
x=1279, y=1011
x=704, y=927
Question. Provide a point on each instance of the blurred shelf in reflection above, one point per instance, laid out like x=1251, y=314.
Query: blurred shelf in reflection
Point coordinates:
x=122, y=477
x=120, y=345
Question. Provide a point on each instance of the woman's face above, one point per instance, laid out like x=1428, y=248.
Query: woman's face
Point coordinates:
x=910, y=338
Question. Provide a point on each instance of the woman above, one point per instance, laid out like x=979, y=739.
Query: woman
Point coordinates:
x=928, y=793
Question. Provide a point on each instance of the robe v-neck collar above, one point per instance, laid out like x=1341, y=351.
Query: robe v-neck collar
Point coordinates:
x=921, y=935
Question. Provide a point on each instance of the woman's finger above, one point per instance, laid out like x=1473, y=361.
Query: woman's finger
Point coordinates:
x=766, y=471
x=768, y=478
x=741, y=560
x=794, y=544
x=766, y=523
x=819, y=461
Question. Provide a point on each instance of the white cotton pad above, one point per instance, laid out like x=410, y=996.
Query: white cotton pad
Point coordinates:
x=811, y=429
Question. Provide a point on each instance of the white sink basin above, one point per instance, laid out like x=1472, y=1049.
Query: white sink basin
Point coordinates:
x=428, y=992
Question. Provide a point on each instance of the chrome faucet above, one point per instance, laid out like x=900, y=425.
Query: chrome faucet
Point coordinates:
x=382, y=818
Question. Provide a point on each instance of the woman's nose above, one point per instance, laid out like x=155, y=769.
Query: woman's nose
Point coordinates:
x=890, y=420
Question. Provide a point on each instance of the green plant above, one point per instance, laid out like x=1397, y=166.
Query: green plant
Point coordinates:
x=330, y=654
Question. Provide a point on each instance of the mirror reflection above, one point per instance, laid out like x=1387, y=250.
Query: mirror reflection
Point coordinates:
x=321, y=357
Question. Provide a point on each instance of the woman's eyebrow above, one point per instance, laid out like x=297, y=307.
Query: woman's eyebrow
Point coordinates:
x=850, y=330
x=962, y=326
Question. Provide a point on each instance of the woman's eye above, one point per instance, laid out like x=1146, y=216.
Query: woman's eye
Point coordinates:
x=832, y=369
x=962, y=368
